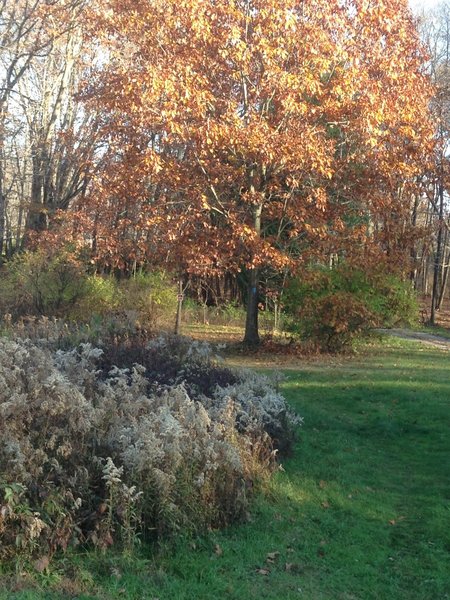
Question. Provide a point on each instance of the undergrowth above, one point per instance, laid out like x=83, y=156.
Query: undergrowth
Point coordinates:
x=118, y=445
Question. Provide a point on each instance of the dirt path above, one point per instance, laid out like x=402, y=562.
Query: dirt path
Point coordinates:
x=429, y=339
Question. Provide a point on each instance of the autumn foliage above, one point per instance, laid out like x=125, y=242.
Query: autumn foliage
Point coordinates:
x=243, y=134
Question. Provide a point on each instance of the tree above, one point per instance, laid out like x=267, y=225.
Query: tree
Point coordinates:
x=435, y=32
x=44, y=141
x=61, y=134
x=243, y=133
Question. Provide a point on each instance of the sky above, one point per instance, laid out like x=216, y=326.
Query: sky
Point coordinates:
x=418, y=5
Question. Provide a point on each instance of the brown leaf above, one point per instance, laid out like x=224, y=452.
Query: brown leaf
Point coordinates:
x=263, y=571
x=218, y=550
x=322, y=484
x=41, y=563
x=102, y=508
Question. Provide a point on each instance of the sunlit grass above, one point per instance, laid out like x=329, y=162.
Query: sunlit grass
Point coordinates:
x=361, y=510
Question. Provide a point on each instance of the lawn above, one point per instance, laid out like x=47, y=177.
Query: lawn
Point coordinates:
x=361, y=510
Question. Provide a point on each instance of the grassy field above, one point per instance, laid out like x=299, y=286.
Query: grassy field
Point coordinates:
x=361, y=511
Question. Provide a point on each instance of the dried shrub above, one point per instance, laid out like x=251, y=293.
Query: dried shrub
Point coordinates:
x=102, y=457
x=171, y=360
x=335, y=320
x=259, y=407
x=168, y=360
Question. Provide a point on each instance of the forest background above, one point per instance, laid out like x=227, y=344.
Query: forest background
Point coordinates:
x=204, y=146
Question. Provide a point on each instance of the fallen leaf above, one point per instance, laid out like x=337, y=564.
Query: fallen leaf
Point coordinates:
x=115, y=572
x=41, y=563
x=325, y=504
x=322, y=484
x=218, y=550
x=263, y=571
x=272, y=556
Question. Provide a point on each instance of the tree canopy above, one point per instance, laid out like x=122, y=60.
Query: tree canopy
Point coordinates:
x=214, y=136
x=243, y=133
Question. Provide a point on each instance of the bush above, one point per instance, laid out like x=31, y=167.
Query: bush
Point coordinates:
x=90, y=455
x=153, y=296
x=37, y=283
x=333, y=306
x=54, y=285
x=393, y=301
x=334, y=320
x=100, y=296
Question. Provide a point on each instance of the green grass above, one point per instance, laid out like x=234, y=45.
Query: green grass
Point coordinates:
x=360, y=512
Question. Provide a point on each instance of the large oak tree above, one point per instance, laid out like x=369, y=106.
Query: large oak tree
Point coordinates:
x=241, y=133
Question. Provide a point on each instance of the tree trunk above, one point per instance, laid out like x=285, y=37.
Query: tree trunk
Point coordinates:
x=276, y=316
x=179, y=307
x=443, y=288
x=251, y=337
x=438, y=255
x=2, y=176
x=414, y=266
x=445, y=270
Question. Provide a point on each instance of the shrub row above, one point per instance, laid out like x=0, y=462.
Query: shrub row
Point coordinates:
x=38, y=283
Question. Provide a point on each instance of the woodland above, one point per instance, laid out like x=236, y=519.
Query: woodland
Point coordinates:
x=270, y=174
